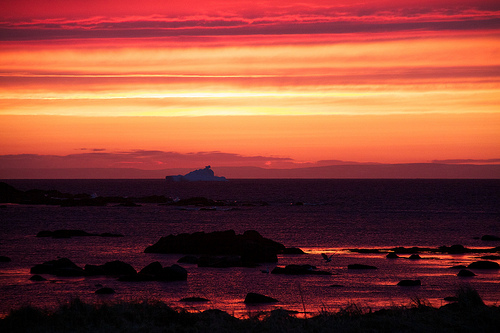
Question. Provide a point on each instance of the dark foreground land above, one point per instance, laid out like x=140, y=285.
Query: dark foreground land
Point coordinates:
x=467, y=314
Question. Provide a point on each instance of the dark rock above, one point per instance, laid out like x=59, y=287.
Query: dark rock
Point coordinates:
x=254, y=298
x=365, y=250
x=415, y=257
x=155, y=272
x=194, y=299
x=118, y=267
x=491, y=257
x=250, y=246
x=112, y=268
x=105, y=291
x=336, y=286
x=94, y=270
x=8, y=194
x=465, y=273
x=410, y=250
x=5, y=259
x=484, y=265
x=154, y=268
x=392, y=255
x=454, y=249
x=451, y=299
x=360, y=266
x=37, y=278
x=409, y=283
x=299, y=270
x=293, y=250
x=190, y=259
x=173, y=273
x=59, y=267
x=490, y=238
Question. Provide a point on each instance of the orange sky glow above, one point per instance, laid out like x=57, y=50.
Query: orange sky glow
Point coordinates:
x=163, y=84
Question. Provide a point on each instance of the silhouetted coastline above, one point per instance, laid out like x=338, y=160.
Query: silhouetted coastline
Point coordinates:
x=466, y=314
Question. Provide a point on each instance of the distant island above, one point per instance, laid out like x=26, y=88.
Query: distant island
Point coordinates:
x=205, y=174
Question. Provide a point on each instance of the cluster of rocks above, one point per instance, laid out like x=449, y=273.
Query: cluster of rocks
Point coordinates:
x=9, y=194
x=453, y=249
x=246, y=249
x=299, y=270
x=117, y=268
x=68, y=233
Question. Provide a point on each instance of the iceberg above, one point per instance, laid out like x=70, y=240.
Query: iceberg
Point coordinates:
x=205, y=174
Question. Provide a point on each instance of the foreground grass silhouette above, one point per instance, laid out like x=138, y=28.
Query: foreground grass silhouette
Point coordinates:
x=467, y=314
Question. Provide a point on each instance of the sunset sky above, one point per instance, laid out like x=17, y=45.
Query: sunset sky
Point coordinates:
x=166, y=84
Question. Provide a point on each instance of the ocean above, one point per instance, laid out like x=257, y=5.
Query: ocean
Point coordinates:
x=318, y=216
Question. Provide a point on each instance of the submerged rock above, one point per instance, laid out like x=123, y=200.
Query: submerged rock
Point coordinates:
x=220, y=262
x=392, y=255
x=360, y=266
x=254, y=298
x=5, y=259
x=415, y=257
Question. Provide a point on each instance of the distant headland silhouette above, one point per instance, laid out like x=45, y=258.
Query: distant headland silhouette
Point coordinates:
x=205, y=174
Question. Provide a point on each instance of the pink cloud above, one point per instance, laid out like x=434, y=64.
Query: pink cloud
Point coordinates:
x=142, y=159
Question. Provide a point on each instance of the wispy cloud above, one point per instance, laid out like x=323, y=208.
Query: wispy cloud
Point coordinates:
x=468, y=161
x=142, y=159
x=308, y=18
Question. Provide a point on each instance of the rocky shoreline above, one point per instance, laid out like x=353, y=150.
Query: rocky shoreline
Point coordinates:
x=466, y=314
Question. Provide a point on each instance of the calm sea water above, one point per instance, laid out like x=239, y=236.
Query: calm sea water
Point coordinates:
x=336, y=215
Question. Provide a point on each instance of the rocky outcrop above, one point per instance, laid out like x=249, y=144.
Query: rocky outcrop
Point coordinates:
x=105, y=291
x=37, y=278
x=59, y=267
x=299, y=270
x=255, y=298
x=194, y=300
x=293, y=250
x=112, y=268
x=5, y=259
x=155, y=272
x=465, y=273
x=490, y=238
x=409, y=283
x=250, y=246
x=484, y=264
